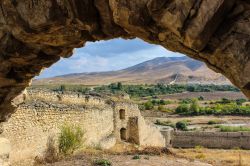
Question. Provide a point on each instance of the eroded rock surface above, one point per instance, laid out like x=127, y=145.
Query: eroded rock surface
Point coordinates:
x=34, y=34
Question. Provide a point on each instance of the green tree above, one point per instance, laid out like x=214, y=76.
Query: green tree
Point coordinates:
x=119, y=86
x=62, y=88
x=181, y=125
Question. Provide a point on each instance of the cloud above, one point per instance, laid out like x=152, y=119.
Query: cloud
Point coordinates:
x=107, y=55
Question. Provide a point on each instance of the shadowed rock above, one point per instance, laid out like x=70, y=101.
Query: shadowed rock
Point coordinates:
x=35, y=34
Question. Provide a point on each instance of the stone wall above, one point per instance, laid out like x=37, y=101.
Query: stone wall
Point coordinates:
x=147, y=134
x=44, y=112
x=220, y=140
x=5, y=149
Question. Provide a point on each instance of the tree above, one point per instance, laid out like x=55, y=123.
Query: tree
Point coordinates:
x=181, y=125
x=62, y=88
x=119, y=85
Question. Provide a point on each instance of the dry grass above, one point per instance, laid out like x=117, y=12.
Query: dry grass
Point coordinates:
x=216, y=157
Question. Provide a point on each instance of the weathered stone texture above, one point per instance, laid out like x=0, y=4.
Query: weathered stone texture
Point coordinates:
x=44, y=112
x=220, y=140
x=35, y=34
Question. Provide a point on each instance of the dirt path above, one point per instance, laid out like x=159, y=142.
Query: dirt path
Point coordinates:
x=126, y=160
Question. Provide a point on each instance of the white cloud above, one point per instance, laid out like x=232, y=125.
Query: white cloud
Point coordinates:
x=106, y=56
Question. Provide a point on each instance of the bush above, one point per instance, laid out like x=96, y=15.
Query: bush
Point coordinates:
x=194, y=107
x=183, y=108
x=181, y=125
x=240, y=101
x=161, y=108
x=70, y=139
x=102, y=162
x=201, y=98
x=148, y=105
x=51, y=154
x=136, y=157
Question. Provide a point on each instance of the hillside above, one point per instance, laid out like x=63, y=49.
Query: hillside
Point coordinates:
x=165, y=70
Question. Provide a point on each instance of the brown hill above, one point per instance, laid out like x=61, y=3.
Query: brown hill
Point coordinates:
x=165, y=70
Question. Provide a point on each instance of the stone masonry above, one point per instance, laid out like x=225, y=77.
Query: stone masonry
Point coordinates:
x=103, y=120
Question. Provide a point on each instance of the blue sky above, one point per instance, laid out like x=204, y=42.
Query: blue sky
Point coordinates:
x=106, y=56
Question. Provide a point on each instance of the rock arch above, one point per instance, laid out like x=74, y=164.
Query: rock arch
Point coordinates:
x=36, y=34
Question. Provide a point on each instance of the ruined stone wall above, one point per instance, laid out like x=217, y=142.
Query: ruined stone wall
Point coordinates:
x=35, y=121
x=148, y=135
x=221, y=140
x=44, y=112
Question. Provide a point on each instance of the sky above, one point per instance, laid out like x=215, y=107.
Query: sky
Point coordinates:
x=107, y=56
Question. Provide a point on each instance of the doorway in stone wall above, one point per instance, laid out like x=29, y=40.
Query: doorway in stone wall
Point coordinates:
x=123, y=134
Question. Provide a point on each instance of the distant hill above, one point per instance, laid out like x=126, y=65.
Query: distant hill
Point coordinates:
x=167, y=70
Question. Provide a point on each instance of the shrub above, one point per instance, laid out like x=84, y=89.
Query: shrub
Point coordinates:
x=200, y=156
x=136, y=157
x=181, y=125
x=201, y=98
x=161, y=108
x=194, y=107
x=225, y=101
x=51, y=154
x=198, y=147
x=102, y=162
x=240, y=101
x=183, y=108
x=70, y=139
x=148, y=105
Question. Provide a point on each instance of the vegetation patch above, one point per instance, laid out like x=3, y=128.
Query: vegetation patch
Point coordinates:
x=182, y=125
x=136, y=157
x=143, y=90
x=70, y=139
x=212, y=122
x=233, y=128
x=102, y=162
x=222, y=107
x=165, y=123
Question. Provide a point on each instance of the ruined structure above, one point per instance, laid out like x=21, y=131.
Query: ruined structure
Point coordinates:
x=105, y=122
x=35, y=34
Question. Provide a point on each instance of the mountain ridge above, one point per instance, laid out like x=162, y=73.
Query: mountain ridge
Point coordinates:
x=165, y=70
